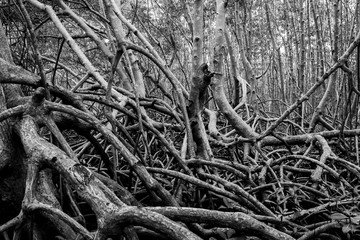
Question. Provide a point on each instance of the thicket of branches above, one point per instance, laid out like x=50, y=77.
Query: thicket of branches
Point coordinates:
x=179, y=119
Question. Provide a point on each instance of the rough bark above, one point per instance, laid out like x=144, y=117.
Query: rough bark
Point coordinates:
x=58, y=152
x=12, y=168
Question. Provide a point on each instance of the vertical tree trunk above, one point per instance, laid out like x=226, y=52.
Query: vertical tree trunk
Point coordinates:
x=301, y=74
x=12, y=169
x=199, y=84
x=276, y=48
x=330, y=89
x=292, y=49
x=319, y=40
x=357, y=63
x=218, y=81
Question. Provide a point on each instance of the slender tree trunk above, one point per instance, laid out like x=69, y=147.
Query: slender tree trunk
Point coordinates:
x=302, y=61
x=218, y=81
x=280, y=73
x=330, y=89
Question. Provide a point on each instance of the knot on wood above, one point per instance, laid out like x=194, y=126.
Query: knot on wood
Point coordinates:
x=38, y=96
x=207, y=75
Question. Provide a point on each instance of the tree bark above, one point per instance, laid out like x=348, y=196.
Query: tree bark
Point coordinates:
x=12, y=168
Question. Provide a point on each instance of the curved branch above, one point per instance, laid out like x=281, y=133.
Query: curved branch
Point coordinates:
x=133, y=161
x=14, y=74
x=62, y=216
x=318, y=83
x=13, y=112
x=149, y=219
x=236, y=220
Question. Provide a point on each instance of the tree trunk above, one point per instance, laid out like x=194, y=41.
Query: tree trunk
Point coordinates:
x=12, y=158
